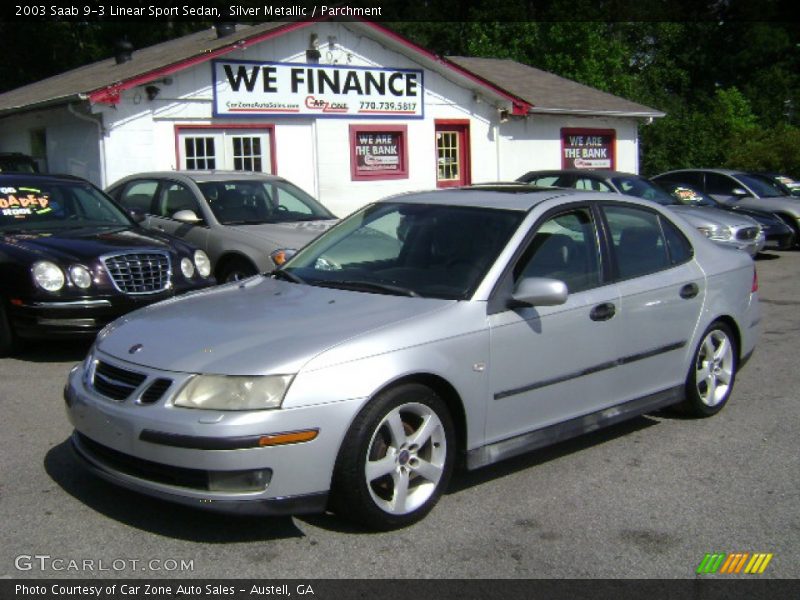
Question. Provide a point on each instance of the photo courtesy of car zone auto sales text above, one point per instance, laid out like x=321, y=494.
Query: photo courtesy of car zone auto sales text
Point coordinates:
x=297, y=302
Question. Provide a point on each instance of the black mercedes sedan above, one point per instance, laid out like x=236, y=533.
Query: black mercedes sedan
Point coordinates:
x=71, y=260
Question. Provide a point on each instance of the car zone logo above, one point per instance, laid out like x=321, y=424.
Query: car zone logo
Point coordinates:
x=734, y=563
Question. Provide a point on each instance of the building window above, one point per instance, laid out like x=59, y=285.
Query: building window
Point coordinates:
x=378, y=152
x=200, y=153
x=452, y=153
x=247, y=154
x=231, y=148
x=588, y=148
x=447, y=151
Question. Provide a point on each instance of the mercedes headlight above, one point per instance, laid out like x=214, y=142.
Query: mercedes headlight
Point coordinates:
x=48, y=276
x=187, y=268
x=80, y=276
x=229, y=392
x=202, y=263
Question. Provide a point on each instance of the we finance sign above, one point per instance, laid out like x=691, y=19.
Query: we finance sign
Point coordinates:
x=245, y=88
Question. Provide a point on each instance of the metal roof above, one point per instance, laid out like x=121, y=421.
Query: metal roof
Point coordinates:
x=528, y=89
x=550, y=94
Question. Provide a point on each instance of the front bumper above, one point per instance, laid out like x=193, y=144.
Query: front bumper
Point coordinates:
x=113, y=439
x=37, y=318
x=781, y=240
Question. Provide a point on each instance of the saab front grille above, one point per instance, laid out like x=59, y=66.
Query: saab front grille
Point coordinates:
x=747, y=234
x=141, y=273
x=155, y=391
x=115, y=383
x=145, y=469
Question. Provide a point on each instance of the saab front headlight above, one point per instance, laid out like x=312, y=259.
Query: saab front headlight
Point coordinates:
x=48, y=276
x=229, y=392
x=202, y=263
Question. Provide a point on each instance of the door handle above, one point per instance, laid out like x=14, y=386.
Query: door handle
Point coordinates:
x=603, y=312
x=690, y=290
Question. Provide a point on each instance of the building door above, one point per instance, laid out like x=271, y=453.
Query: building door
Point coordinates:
x=452, y=154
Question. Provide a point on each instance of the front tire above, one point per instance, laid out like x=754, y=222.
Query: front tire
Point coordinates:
x=236, y=269
x=396, y=459
x=7, y=338
x=712, y=373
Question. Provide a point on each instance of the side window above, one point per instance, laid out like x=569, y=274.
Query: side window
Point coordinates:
x=639, y=244
x=719, y=184
x=138, y=196
x=691, y=178
x=565, y=248
x=288, y=202
x=545, y=180
x=585, y=183
x=175, y=197
x=680, y=250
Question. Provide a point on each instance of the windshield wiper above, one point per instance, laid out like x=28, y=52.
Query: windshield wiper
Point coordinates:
x=367, y=286
x=288, y=276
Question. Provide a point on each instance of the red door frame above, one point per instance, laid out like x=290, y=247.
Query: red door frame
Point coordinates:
x=461, y=127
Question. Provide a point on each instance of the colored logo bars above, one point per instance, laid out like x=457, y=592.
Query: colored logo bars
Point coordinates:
x=734, y=563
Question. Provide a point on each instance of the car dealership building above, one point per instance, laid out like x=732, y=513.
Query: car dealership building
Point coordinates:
x=348, y=110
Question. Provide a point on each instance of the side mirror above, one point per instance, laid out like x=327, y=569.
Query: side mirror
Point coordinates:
x=740, y=192
x=539, y=291
x=186, y=216
x=137, y=215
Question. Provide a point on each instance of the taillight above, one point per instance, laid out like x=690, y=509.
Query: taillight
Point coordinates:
x=754, y=289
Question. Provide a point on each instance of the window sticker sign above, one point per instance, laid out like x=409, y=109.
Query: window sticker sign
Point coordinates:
x=378, y=152
x=588, y=148
x=21, y=203
x=247, y=88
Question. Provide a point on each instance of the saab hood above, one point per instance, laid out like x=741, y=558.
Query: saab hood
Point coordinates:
x=259, y=326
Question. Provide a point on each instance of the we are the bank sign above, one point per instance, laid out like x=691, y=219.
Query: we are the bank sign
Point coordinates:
x=246, y=88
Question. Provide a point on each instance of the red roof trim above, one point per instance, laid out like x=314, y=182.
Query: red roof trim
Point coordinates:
x=111, y=94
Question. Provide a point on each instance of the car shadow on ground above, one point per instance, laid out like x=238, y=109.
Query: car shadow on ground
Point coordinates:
x=157, y=516
x=766, y=256
x=172, y=520
x=463, y=480
x=53, y=351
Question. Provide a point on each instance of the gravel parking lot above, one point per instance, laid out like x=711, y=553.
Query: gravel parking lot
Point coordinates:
x=645, y=499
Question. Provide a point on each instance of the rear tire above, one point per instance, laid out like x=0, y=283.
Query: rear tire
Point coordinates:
x=712, y=373
x=396, y=459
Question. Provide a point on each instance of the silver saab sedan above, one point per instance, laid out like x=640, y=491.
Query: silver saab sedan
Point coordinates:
x=472, y=324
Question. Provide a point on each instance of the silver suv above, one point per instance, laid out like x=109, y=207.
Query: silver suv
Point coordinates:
x=739, y=188
x=239, y=219
x=724, y=228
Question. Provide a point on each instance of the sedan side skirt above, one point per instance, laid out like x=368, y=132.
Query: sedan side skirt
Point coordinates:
x=492, y=453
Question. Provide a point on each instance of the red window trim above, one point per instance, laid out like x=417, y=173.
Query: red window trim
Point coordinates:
x=268, y=127
x=466, y=154
x=565, y=131
x=402, y=173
